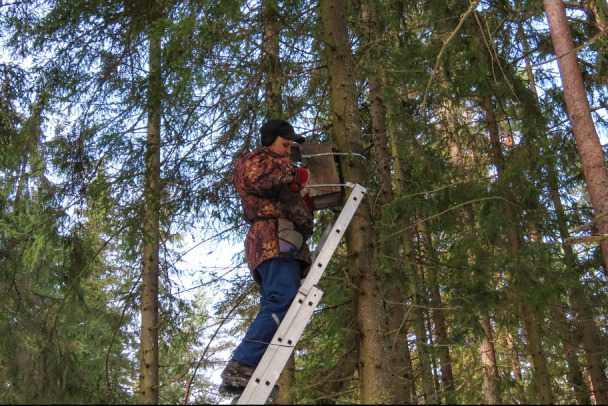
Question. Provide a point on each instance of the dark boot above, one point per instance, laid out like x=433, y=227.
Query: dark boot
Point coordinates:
x=235, y=378
x=236, y=374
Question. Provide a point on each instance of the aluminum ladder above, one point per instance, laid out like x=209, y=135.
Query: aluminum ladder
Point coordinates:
x=285, y=339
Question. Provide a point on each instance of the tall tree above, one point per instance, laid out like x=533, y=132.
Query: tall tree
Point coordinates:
x=374, y=377
x=96, y=76
x=583, y=128
x=149, y=361
x=588, y=143
x=387, y=224
x=578, y=298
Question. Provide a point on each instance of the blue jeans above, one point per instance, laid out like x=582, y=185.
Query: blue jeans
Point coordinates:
x=280, y=280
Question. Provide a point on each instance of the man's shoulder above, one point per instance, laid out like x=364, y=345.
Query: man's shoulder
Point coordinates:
x=250, y=159
x=263, y=155
x=257, y=153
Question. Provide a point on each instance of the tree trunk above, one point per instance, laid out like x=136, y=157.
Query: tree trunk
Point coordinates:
x=585, y=321
x=149, y=380
x=570, y=341
x=399, y=356
x=271, y=64
x=589, y=147
x=515, y=362
x=583, y=128
x=441, y=331
x=378, y=110
x=360, y=237
x=398, y=309
x=488, y=361
x=424, y=357
x=286, y=380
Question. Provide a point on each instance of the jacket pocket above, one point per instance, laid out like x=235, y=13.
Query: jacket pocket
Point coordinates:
x=290, y=240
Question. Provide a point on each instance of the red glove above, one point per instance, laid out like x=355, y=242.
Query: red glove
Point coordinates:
x=300, y=179
x=308, y=202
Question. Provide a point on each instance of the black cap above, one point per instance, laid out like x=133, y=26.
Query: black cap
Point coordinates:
x=278, y=128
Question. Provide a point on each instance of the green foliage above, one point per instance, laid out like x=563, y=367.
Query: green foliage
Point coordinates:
x=72, y=135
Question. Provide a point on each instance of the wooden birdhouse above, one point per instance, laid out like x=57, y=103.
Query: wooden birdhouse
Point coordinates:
x=321, y=164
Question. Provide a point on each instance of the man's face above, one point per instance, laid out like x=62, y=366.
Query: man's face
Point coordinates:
x=281, y=146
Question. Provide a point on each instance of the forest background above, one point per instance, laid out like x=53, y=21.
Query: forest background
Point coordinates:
x=474, y=272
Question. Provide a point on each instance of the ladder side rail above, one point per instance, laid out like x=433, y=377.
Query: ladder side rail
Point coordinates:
x=282, y=345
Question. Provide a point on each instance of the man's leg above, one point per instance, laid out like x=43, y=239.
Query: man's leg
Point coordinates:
x=280, y=280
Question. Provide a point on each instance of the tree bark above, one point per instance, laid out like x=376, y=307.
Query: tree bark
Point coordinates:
x=286, y=381
x=441, y=331
x=488, y=361
x=360, y=237
x=271, y=63
x=149, y=378
x=579, y=112
x=590, y=151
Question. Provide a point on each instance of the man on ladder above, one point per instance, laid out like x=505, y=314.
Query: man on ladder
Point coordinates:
x=276, y=205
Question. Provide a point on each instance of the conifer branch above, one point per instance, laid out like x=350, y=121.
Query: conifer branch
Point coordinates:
x=440, y=214
x=591, y=238
x=573, y=50
x=594, y=220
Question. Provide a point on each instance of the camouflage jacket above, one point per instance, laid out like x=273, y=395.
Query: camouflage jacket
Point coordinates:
x=262, y=180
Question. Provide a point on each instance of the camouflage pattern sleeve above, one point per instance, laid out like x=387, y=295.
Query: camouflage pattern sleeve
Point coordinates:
x=262, y=173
